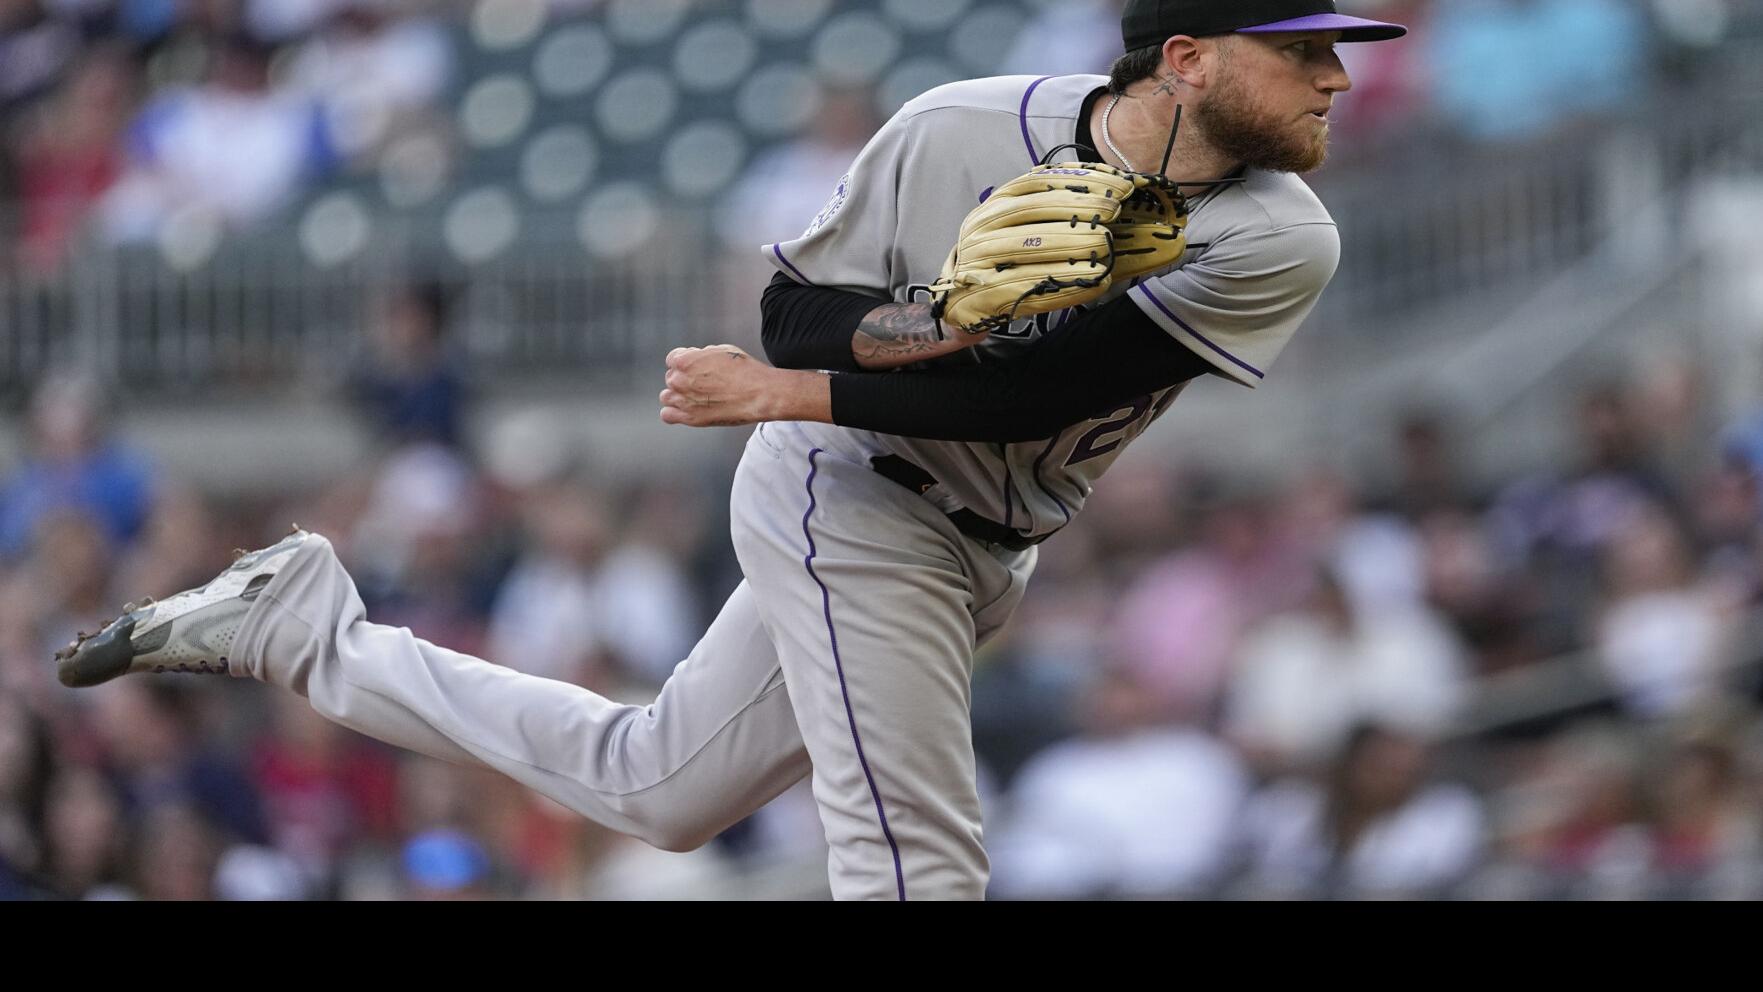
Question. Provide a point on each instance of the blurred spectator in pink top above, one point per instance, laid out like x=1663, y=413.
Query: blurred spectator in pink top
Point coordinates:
x=1390, y=82
x=1178, y=624
x=70, y=155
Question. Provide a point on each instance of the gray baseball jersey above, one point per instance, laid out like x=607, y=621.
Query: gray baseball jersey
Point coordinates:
x=1259, y=254
x=847, y=652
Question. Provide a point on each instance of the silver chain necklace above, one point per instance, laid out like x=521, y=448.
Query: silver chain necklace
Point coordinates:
x=1108, y=139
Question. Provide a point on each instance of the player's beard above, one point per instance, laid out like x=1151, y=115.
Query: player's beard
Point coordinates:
x=1241, y=128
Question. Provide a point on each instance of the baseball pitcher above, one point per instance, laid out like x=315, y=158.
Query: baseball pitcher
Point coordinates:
x=1015, y=278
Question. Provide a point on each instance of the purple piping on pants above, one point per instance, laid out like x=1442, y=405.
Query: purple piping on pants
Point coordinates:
x=1144, y=289
x=1022, y=115
x=1051, y=442
x=779, y=252
x=832, y=635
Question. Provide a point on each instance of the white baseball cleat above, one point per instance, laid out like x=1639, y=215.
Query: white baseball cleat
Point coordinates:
x=190, y=632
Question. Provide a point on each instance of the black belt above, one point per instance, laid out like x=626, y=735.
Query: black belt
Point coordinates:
x=897, y=469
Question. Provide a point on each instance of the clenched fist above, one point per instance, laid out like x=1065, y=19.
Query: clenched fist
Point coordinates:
x=723, y=386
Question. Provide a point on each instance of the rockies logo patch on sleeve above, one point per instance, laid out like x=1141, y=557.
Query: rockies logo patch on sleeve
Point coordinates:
x=832, y=206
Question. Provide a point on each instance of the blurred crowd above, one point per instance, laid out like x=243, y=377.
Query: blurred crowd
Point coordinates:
x=1219, y=686
x=1297, y=693
x=172, y=789
x=124, y=119
x=122, y=116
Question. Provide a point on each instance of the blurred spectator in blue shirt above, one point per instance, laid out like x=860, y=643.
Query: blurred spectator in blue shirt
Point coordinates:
x=1509, y=69
x=148, y=21
x=446, y=865
x=411, y=389
x=74, y=465
x=1595, y=53
x=376, y=71
x=1557, y=525
x=187, y=144
x=154, y=741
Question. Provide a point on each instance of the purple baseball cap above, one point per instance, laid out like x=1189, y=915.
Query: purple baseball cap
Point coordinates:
x=1151, y=22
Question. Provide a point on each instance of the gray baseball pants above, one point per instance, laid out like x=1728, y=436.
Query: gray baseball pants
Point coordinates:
x=847, y=651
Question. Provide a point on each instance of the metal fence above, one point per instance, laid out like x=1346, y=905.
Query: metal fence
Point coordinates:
x=1456, y=221
x=1428, y=225
x=263, y=309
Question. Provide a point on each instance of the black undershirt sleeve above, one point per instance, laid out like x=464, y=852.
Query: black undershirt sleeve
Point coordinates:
x=810, y=327
x=1096, y=362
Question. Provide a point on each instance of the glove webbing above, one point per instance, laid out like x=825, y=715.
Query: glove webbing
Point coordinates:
x=1051, y=284
x=1142, y=199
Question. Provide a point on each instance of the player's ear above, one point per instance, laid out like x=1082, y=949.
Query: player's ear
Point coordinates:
x=1187, y=59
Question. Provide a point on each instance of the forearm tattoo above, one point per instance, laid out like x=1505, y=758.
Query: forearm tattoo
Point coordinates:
x=897, y=330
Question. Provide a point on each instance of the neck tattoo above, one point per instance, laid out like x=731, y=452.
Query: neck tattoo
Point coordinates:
x=1108, y=139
